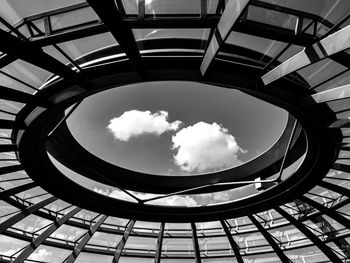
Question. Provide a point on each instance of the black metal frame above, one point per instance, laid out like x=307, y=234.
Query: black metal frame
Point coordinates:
x=291, y=96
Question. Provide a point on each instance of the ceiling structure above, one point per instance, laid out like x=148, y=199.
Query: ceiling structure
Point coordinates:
x=291, y=203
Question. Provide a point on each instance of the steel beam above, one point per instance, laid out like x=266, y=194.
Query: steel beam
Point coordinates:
x=159, y=243
x=314, y=239
x=19, y=96
x=122, y=242
x=335, y=188
x=270, y=240
x=232, y=242
x=233, y=10
x=8, y=124
x=34, y=55
x=341, y=167
x=112, y=18
x=24, y=213
x=338, y=93
x=8, y=148
x=197, y=252
x=328, y=46
x=87, y=236
x=10, y=169
x=44, y=235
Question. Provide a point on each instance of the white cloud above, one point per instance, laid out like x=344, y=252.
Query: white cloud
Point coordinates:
x=168, y=201
x=205, y=147
x=134, y=123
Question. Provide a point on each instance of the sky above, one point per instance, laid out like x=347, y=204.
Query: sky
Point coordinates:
x=176, y=128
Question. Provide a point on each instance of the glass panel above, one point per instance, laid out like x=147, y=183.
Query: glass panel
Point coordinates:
x=263, y=258
x=33, y=223
x=92, y=258
x=49, y=254
x=320, y=71
x=215, y=246
x=14, y=11
x=342, y=79
x=144, y=244
x=73, y=18
x=329, y=10
x=187, y=33
x=136, y=260
x=272, y=17
x=78, y=48
x=68, y=233
x=155, y=7
x=268, y=48
x=101, y=239
x=6, y=211
x=306, y=255
x=289, y=236
x=28, y=73
x=10, y=246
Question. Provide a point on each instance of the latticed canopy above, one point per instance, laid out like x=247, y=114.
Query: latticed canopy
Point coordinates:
x=287, y=204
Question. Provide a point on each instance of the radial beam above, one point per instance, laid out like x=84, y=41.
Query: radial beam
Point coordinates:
x=25, y=212
x=337, y=42
x=314, y=239
x=34, y=55
x=8, y=124
x=77, y=249
x=233, y=244
x=338, y=93
x=8, y=148
x=19, y=96
x=233, y=10
x=122, y=242
x=197, y=254
x=10, y=169
x=335, y=188
x=159, y=244
x=112, y=18
x=270, y=240
x=44, y=235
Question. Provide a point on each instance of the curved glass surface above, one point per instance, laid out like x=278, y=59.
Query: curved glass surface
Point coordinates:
x=176, y=128
x=35, y=226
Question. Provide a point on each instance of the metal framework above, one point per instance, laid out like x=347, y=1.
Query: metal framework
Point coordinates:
x=178, y=58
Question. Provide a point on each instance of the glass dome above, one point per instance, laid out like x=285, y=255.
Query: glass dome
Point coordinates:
x=287, y=203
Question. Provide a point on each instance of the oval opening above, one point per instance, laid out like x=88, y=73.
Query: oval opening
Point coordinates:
x=175, y=127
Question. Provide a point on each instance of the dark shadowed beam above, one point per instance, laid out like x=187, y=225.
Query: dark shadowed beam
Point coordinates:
x=16, y=190
x=8, y=148
x=233, y=10
x=8, y=124
x=44, y=235
x=87, y=236
x=335, y=188
x=334, y=43
x=112, y=18
x=197, y=254
x=159, y=243
x=232, y=242
x=25, y=212
x=314, y=239
x=36, y=56
x=19, y=96
x=270, y=240
x=122, y=242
